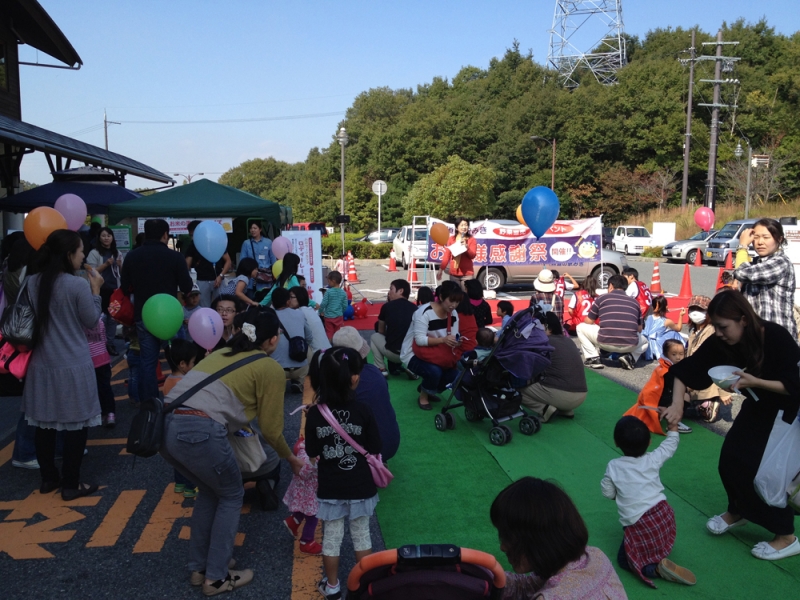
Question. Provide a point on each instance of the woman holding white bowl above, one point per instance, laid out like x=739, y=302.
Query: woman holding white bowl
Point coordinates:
x=767, y=357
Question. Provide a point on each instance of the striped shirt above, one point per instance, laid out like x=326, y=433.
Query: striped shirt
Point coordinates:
x=424, y=323
x=620, y=319
x=768, y=283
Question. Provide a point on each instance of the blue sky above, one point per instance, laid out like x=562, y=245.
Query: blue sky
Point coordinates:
x=147, y=60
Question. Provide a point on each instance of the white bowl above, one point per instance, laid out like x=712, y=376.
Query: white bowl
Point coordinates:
x=723, y=376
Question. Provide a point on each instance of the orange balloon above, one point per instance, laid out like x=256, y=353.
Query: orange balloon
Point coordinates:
x=519, y=215
x=440, y=234
x=40, y=223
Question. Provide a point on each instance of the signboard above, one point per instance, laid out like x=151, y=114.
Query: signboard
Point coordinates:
x=792, y=250
x=122, y=236
x=566, y=243
x=308, y=246
x=178, y=226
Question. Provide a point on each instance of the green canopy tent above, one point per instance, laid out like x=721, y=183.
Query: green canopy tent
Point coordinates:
x=199, y=199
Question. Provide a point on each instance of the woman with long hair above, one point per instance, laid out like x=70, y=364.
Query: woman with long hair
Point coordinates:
x=60, y=391
x=434, y=325
x=768, y=282
x=767, y=357
x=106, y=260
x=288, y=277
x=461, y=267
x=546, y=541
x=196, y=443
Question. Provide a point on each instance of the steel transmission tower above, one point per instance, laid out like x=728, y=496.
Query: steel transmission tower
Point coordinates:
x=587, y=35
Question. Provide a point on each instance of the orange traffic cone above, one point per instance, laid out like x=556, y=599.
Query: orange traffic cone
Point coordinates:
x=352, y=276
x=719, y=285
x=412, y=272
x=729, y=260
x=686, y=283
x=698, y=259
x=655, y=284
x=392, y=262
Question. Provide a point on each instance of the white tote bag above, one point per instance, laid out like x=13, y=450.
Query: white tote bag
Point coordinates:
x=780, y=463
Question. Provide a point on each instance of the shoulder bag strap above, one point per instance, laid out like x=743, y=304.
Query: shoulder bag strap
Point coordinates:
x=328, y=415
x=253, y=250
x=283, y=329
x=213, y=377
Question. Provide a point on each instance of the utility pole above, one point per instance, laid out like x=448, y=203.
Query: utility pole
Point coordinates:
x=722, y=63
x=105, y=126
x=688, y=139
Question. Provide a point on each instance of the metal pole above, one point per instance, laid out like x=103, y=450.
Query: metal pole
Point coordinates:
x=749, y=170
x=105, y=127
x=379, y=215
x=688, y=139
x=711, y=185
x=553, y=169
x=342, y=207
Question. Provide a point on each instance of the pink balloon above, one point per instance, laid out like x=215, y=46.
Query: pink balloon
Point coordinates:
x=704, y=217
x=280, y=246
x=205, y=327
x=73, y=209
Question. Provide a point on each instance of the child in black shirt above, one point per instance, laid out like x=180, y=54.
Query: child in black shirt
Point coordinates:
x=346, y=487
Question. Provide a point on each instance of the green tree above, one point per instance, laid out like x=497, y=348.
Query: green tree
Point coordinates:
x=457, y=188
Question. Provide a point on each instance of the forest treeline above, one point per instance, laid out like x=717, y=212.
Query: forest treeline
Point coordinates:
x=463, y=146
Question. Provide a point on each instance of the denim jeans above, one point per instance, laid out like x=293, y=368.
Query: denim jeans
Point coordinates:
x=149, y=349
x=434, y=378
x=25, y=445
x=134, y=368
x=198, y=448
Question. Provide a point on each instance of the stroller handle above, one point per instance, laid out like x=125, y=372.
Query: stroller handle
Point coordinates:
x=391, y=557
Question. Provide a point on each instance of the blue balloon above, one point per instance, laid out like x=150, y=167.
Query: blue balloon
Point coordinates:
x=349, y=312
x=540, y=209
x=210, y=240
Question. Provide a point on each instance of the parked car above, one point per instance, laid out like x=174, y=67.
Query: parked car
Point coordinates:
x=402, y=245
x=686, y=250
x=727, y=240
x=631, y=239
x=608, y=238
x=384, y=236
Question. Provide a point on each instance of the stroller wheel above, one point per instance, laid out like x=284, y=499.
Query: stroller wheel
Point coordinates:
x=440, y=421
x=472, y=415
x=497, y=436
x=507, y=432
x=449, y=420
x=529, y=425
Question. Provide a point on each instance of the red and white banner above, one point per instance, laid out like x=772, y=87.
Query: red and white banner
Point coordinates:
x=308, y=246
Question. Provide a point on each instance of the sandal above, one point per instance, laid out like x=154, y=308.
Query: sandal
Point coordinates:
x=718, y=526
x=84, y=489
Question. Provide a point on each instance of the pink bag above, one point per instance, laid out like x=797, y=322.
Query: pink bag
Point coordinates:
x=13, y=361
x=381, y=475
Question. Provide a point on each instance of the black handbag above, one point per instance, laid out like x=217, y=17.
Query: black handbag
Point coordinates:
x=147, y=426
x=298, y=346
x=18, y=327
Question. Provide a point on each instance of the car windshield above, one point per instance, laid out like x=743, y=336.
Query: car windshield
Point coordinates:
x=699, y=236
x=638, y=232
x=728, y=231
x=420, y=235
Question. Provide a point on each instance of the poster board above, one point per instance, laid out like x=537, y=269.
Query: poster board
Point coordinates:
x=178, y=226
x=122, y=235
x=308, y=246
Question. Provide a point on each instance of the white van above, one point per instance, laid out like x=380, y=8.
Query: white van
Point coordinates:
x=402, y=245
x=631, y=239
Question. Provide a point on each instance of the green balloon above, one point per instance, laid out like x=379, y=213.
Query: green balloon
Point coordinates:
x=162, y=314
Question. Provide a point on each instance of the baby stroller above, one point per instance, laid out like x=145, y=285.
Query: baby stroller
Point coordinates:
x=427, y=572
x=489, y=389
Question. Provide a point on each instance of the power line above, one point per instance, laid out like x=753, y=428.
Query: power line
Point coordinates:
x=253, y=120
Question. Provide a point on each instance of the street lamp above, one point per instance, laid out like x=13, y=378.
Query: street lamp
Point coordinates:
x=343, y=139
x=188, y=176
x=553, y=168
x=739, y=152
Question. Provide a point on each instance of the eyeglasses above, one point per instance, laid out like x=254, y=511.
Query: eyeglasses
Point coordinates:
x=226, y=311
x=292, y=297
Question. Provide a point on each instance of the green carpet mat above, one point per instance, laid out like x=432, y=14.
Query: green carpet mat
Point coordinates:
x=445, y=483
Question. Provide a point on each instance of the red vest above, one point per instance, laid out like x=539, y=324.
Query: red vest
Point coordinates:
x=561, y=287
x=644, y=297
x=583, y=302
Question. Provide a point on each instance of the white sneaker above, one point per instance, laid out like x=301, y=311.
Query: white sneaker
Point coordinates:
x=28, y=464
x=683, y=428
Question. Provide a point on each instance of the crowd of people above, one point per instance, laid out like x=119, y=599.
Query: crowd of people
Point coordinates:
x=231, y=431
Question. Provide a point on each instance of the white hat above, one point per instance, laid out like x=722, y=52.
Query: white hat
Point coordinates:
x=349, y=337
x=195, y=289
x=544, y=282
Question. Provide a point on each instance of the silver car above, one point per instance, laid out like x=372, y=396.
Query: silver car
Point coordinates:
x=686, y=250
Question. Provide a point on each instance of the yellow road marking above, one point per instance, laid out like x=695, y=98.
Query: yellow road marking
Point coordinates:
x=120, y=366
x=169, y=509
x=116, y=519
x=108, y=442
x=6, y=454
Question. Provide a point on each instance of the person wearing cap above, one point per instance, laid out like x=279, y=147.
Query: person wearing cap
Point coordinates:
x=191, y=304
x=705, y=401
x=373, y=390
x=545, y=294
x=620, y=328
